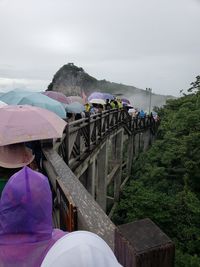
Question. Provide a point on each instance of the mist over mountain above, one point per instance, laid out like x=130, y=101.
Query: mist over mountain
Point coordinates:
x=73, y=80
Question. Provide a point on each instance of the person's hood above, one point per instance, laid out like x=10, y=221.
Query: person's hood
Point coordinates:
x=26, y=208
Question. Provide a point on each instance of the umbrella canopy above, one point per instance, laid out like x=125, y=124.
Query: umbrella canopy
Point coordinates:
x=15, y=156
x=27, y=123
x=107, y=96
x=56, y=96
x=125, y=100
x=95, y=95
x=97, y=101
x=72, y=99
x=75, y=107
x=98, y=95
x=14, y=96
x=19, y=97
x=90, y=248
x=2, y=104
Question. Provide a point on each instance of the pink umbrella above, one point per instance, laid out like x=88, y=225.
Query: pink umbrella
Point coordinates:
x=27, y=123
x=56, y=96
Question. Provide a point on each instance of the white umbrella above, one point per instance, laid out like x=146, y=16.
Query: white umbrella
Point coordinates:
x=97, y=101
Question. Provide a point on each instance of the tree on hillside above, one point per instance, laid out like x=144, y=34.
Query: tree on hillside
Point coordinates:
x=165, y=185
x=195, y=85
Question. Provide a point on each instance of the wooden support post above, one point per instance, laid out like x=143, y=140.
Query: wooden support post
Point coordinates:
x=136, y=144
x=67, y=145
x=130, y=154
x=118, y=157
x=142, y=243
x=91, y=178
x=89, y=133
x=101, y=190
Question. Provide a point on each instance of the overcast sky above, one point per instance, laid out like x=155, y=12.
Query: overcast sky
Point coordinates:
x=144, y=43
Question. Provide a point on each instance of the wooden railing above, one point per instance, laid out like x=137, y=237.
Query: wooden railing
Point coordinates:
x=86, y=214
x=66, y=208
x=83, y=135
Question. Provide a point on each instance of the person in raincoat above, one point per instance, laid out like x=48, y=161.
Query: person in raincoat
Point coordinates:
x=112, y=104
x=80, y=248
x=141, y=114
x=119, y=103
x=87, y=107
x=26, y=232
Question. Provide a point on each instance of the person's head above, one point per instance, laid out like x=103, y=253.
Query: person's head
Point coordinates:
x=107, y=101
x=69, y=115
x=80, y=249
x=26, y=207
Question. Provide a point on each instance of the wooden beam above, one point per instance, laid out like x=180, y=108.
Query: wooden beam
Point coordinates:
x=112, y=174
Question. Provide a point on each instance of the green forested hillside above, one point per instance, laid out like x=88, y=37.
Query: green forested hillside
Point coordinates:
x=165, y=185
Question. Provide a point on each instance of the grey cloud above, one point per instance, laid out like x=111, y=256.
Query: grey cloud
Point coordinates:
x=138, y=42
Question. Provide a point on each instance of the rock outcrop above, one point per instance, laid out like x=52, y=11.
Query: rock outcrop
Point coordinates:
x=72, y=80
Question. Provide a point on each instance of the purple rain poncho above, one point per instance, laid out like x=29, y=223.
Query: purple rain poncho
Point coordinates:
x=26, y=232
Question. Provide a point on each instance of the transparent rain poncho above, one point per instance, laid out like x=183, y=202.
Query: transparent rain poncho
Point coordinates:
x=26, y=232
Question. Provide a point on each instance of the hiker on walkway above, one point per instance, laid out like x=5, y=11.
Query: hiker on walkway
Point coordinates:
x=107, y=105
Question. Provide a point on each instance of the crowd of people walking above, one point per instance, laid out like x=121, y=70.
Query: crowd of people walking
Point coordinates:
x=27, y=236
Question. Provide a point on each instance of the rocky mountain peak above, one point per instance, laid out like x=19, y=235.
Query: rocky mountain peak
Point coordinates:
x=71, y=80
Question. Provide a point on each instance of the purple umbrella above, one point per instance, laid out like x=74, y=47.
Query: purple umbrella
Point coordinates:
x=125, y=100
x=95, y=95
x=107, y=96
x=26, y=232
x=75, y=98
x=98, y=95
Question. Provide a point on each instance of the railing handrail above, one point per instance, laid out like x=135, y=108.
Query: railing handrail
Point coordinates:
x=82, y=136
x=90, y=215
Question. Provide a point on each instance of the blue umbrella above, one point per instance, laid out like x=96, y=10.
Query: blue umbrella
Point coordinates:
x=14, y=96
x=19, y=97
x=75, y=107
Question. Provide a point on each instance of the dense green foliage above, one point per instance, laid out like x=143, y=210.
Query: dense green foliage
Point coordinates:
x=166, y=180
